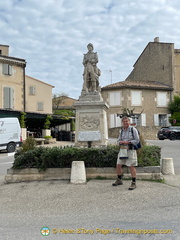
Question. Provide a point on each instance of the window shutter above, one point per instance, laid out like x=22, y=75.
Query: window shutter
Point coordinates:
x=32, y=90
x=143, y=119
x=168, y=116
x=40, y=106
x=161, y=99
x=136, y=99
x=11, y=99
x=8, y=97
x=9, y=69
x=111, y=120
x=118, y=121
x=156, y=119
x=5, y=69
x=114, y=98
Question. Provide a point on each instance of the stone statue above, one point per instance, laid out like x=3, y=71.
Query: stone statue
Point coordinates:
x=91, y=72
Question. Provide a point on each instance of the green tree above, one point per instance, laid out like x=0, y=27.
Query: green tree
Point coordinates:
x=23, y=120
x=47, y=122
x=174, y=108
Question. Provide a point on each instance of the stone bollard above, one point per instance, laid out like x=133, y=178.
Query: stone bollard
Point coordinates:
x=78, y=173
x=167, y=166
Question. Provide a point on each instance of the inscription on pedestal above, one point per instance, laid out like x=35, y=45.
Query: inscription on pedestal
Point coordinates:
x=89, y=136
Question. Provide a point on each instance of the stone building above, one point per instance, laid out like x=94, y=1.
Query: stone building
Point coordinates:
x=21, y=93
x=148, y=89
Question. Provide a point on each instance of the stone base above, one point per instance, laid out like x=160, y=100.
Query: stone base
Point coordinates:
x=91, y=120
x=90, y=96
x=33, y=174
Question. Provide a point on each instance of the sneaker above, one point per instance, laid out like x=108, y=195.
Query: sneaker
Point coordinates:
x=133, y=186
x=117, y=182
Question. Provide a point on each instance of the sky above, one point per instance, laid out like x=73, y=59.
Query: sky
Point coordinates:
x=52, y=36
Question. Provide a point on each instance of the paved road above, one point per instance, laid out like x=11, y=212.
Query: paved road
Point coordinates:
x=90, y=210
x=169, y=149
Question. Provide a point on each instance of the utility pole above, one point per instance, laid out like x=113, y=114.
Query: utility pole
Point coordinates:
x=111, y=74
x=110, y=71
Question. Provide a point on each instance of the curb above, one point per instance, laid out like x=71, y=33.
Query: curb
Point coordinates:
x=33, y=174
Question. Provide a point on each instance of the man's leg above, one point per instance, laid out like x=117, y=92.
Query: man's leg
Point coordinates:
x=119, y=175
x=133, y=175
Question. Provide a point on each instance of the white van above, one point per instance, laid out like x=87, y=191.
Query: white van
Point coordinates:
x=10, y=134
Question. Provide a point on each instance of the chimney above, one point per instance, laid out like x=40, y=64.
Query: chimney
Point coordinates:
x=156, y=39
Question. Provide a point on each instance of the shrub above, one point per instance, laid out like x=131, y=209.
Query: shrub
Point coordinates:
x=47, y=122
x=47, y=137
x=56, y=157
x=23, y=120
x=28, y=144
x=149, y=156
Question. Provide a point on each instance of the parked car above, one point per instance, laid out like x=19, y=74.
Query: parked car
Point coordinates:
x=171, y=133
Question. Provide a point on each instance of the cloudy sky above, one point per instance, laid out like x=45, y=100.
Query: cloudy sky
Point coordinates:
x=52, y=35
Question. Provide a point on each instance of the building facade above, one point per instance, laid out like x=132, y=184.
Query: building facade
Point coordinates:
x=20, y=92
x=148, y=89
x=12, y=81
x=38, y=96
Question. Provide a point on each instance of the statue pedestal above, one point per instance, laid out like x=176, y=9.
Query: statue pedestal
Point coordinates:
x=91, y=120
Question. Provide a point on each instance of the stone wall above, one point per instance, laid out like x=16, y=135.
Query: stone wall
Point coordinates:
x=148, y=133
x=155, y=64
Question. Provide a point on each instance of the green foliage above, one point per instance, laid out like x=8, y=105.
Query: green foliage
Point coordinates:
x=64, y=114
x=176, y=116
x=47, y=122
x=56, y=157
x=28, y=144
x=72, y=125
x=174, y=106
x=23, y=120
x=150, y=156
x=47, y=137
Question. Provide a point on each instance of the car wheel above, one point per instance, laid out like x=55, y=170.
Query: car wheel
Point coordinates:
x=161, y=138
x=173, y=137
x=11, y=147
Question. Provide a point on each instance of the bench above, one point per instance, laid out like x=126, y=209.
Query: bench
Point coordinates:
x=40, y=141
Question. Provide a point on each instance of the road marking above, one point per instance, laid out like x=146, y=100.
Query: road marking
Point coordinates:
x=6, y=163
x=11, y=154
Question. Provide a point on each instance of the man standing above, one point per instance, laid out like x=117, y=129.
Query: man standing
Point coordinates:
x=128, y=138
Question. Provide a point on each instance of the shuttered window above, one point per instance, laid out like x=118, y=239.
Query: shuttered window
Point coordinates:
x=40, y=106
x=32, y=90
x=115, y=121
x=8, y=97
x=161, y=119
x=161, y=99
x=115, y=98
x=7, y=69
x=136, y=98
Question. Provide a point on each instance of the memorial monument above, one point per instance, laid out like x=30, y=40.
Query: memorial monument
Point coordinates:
x=91, y=116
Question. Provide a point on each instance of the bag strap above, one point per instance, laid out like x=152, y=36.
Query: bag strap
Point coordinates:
x=132, y=132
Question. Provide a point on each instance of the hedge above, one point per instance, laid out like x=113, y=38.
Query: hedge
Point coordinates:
x=58, y=157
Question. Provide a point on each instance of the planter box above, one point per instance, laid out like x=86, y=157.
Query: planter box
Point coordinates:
x=24, y=133
x=46, y=132
x=33, y=174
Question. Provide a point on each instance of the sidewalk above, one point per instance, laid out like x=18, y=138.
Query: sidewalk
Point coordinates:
x=172, y=180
